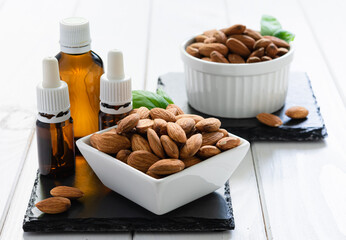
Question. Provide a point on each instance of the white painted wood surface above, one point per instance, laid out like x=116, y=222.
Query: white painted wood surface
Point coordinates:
x=280, y=191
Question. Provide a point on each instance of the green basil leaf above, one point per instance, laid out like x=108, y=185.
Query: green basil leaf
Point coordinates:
x=164, y=95
x=284, y=35
x=147, y=99
x=269, y=25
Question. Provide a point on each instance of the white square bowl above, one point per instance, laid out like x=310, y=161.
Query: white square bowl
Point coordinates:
x=163, y=195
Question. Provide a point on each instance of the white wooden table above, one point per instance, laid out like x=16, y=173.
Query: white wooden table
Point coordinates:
x=280, y=191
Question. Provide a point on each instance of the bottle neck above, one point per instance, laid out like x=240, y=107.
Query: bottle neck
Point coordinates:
x=75, y=50
x=115, y=109
x=54, y=118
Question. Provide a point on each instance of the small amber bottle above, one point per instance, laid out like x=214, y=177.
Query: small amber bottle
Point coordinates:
x=116, y=96
x=54, y=125
x=81, y=69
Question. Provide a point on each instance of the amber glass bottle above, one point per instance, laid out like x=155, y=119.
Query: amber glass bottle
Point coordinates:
x=55, y=146
x=54, y=125
x=116, y=95
x=81, y=69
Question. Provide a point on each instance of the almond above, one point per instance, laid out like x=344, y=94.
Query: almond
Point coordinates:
x=237, y=47
x=142, y=160
x=197, y=45
x=54, y=205
x=133, y=111
x=160, y=126
x=155, y=143
x=263, y=42
x=249, y=42
x=191, y=161
x=163, y=114
x=282, y=51
x=220, y=37
x=209, y=33
x=297, y=112
x=200, y=38
x=128, y=123
x=224, y=131
x=208, y=125
x=176, y=132
x=208, y=151
x=67, y=192
x=269, y=119
x=186, y=124
x=258, y=53
x=215, y=56
x=206, y=59
x=167, y=166
x=109, y=142
x=208, y=48
x=271, y=50
x=169, y=146
x=195, y=117
x=143, y=125
x=235, y=58
x=266, y=58
x=228, y=143
x=211, y=138
x=153, y=175
x=180, y=111
x=210, y=40
x=143, y=112
x=252, y=33
x=277, y=41
x=235, y=29
x=139, y=143
x=122, y=155
x=173, y=110
x=253, y=60
x=193, y=52
x=191, y=147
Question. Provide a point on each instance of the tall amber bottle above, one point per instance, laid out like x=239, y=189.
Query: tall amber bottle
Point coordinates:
x=54, y=125
x=81, y=69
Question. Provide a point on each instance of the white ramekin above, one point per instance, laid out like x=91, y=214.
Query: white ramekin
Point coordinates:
x=236, y=90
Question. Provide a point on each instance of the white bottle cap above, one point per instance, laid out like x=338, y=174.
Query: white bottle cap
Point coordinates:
x=115, y=86
x=53, y=102
x=75, y=35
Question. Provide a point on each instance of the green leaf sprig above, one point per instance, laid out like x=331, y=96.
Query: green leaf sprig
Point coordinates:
x=270, y=26
x=143, y=98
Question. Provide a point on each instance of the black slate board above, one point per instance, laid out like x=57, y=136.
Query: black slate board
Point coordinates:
x=102, y=210
x=299, y=93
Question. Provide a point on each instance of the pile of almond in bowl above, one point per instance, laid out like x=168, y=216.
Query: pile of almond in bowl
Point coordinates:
x=237, y=44
x=160, y=142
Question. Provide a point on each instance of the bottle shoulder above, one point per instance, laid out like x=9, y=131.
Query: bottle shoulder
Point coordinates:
x=56, y=125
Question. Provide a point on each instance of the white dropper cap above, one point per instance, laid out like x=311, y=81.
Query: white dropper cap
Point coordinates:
x=53, y=102
x=75, y=35
x=115, y=86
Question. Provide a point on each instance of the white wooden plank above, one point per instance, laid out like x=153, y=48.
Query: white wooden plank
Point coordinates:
x=16, y=129
x=326, y=20
x=301, y=184
x=13, y=226
x=171, y=23
x=122, y=25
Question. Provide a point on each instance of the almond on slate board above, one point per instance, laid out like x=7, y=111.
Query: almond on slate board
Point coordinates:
x=297, y=112
x=54, y=205
x=67, y=192
x=269, y=119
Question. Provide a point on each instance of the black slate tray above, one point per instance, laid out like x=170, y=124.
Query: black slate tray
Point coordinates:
x=299, y=93
x=102, y=210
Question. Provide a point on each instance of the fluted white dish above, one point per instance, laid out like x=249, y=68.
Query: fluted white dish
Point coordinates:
x=236, y=90
x=163, y=195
